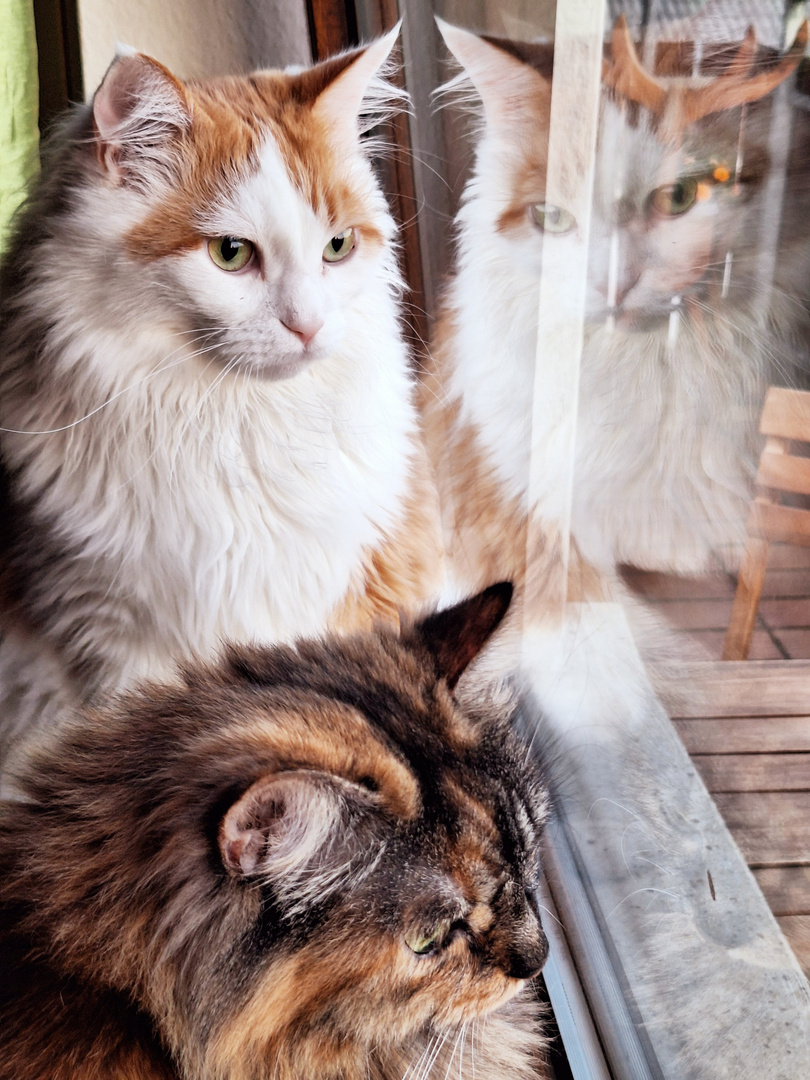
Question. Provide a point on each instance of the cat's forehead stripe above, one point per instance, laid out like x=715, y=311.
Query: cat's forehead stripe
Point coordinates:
x=336, y=739
x=527, y=185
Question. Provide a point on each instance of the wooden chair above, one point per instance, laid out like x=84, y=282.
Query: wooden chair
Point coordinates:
x=785, y=419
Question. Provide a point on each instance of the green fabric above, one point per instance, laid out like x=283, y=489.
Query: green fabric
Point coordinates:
x=19, y=106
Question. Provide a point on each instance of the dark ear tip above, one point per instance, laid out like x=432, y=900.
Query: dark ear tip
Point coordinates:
x=457, y=634
x=503, y=591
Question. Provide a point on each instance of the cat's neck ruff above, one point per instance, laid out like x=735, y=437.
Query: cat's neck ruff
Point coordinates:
x=669, y=509
x=240, y=506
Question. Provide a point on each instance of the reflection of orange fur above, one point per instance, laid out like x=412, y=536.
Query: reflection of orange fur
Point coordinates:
x=485, y=532
x=404, y=573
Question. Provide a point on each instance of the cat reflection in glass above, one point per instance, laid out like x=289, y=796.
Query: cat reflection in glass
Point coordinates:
x=683, y=332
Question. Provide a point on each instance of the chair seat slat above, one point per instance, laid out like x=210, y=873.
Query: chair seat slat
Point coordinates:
x=782, y=524
x=784, y=472
x=786, y=413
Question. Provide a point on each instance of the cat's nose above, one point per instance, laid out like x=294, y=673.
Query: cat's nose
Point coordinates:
x=526, y=959
x=304, y=328
x=521, y=948
x=624, y=286
x=528, y=950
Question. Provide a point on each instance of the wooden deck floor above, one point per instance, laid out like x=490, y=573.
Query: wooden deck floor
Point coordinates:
x=700, y=607
x=751, y=742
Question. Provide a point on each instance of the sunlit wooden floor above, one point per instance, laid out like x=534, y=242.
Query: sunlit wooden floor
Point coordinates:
x=750, y=736
x=700, y=607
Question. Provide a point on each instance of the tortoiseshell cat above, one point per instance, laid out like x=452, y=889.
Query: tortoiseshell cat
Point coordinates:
x=683, y=332
x=206, y=414
x=307, y=861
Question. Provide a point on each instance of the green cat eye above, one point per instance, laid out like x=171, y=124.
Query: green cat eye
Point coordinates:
x=422, y=943
x=551, y=218
x=673, y=199
x=230, y=253
x=339, y=246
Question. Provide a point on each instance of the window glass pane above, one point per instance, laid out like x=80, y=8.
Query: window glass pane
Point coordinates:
x=628, y=274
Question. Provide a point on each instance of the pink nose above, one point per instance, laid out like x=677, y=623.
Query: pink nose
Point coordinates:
x=304, y=329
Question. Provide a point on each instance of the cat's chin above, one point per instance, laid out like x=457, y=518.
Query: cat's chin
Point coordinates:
x=277, y=370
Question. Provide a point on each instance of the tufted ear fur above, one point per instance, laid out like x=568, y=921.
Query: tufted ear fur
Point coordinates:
x=359, y=89
x=456, y=635
x=139, y=109
x=507, y=85
x=284, y=820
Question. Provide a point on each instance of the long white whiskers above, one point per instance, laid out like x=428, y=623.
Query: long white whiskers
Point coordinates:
x=163, y=366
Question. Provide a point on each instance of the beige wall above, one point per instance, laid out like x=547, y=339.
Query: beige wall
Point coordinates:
x=194, y=37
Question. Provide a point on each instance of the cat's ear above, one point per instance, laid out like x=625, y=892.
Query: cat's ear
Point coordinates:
x=282, y=821
x=138, y=110
x=358, y=95
x=456, y=635
x=508, y=87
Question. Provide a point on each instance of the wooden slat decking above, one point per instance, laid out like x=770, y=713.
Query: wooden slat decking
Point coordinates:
x=699, y=608
x=749, y=729
x=748, y=734
x=777, y=772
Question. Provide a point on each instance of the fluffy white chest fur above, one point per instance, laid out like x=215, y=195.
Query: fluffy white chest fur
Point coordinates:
x=229, y=507
x=664, y=438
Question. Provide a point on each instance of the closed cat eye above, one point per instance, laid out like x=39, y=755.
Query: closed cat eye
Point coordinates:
x=230, y=253
x=673, y=199
x=339, y=246
x=551, y=218
x=422, y=943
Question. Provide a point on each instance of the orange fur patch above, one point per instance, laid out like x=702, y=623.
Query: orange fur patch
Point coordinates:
x=404, y=573
x=337, y=740
x=231, y=118
x=529, y=183
x=486, y=534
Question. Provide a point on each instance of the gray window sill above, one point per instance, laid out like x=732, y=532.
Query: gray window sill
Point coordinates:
x=671, y=964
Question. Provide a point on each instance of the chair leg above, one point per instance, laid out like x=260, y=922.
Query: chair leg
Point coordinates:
x=746, y=600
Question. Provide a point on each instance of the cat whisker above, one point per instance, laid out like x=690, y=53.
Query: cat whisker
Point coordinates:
x=438, y=1050
x=131, y=477
x=549, y=913
x=459, y=1038
x=231, y=364
x=424, y=1063
x=643, y=889
x=162, y=367
x=652, y=862
x=408, y=155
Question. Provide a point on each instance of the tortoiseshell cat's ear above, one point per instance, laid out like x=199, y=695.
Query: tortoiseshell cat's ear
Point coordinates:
x=138, y=110
x=282, y=821
x=456, y=635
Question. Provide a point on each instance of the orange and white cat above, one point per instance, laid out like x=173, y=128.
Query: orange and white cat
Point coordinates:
x=208, y=425
x=681, y=337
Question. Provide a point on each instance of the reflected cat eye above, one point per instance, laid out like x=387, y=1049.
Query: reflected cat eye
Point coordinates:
x=674, y=199
x=424, y=943
x=339, y=246
x=230, y=253
x=551, y=218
